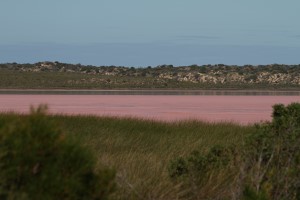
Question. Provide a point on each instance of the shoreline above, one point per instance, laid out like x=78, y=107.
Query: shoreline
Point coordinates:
x=247, y=92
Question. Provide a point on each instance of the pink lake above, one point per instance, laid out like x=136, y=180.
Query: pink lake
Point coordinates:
x=239, y=109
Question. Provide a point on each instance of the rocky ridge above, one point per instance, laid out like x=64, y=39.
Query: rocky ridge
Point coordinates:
x=274, y=74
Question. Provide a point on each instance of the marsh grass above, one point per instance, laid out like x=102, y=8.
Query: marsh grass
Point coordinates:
x=140, y=150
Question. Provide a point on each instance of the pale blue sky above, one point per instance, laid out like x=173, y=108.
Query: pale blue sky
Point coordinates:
x=153, y=32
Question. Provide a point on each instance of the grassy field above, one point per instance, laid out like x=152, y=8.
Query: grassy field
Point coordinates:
x=141, y=150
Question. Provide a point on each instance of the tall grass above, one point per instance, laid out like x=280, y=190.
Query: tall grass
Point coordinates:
x=140, y=150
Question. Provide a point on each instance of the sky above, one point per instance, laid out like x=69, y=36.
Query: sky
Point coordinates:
x=150, y=33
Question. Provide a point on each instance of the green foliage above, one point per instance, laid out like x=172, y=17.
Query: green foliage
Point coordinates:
x=273, y=155
x=140, y=150
x=37, y=161
x=199, y=163
x=266, y=167
x=250, y=194
x=205, y=175
x=178, y=167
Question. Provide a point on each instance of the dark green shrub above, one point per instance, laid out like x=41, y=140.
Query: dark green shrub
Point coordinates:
x=272, y=155
x=267, y=166
x=204, y=176
x=250, y=194
x=199, y=163
x=178, y=167
x=38, y=162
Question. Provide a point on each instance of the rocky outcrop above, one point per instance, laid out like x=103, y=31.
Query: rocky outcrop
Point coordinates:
x=207, y=74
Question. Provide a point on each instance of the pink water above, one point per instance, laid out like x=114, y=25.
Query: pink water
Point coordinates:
x=240, y=109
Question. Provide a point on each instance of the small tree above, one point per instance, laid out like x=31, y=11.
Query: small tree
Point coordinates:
x=273, y=156
x=267, y=167
x=37, y=161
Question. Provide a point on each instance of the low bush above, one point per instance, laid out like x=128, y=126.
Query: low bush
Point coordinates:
x=206, y=176
x=267, y=166
x=37, y=161
x=272, y=156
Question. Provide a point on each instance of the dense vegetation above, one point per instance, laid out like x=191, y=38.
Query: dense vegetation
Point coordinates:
x=186, y=160
x=38, y=162
x=266, y=167
x=49, y=75
x=139, y=150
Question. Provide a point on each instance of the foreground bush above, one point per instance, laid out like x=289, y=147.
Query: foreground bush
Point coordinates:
x=38, y=162
x=266, y=167
x=273, y=156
